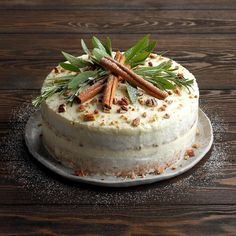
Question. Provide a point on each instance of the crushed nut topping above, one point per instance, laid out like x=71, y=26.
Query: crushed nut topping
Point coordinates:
x=136, y=122
x=166, y=116
x=122, y=109
x=96, y=111
x=141, y=101
x=81, y=108
x=169, y=92
x=56, y=70
x=80, y=173
x=153, y=56
x=151, y=102
x=195, y=145
x=180, y=75
x=123, y=102
x=190, y=152
x=150, y=64
x=144, y=114
x=62, y=108
x=162, y=108
x=177, y=91
x=195, y=96
x=89, y=117
x=106, y=110
x=94, y=101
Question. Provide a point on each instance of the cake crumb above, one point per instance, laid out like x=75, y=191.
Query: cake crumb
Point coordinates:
x=136, y=122
x=89, y=117
x=62, y=108
x=190, y=152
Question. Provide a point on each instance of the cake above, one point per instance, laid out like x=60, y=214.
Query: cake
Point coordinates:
x=134, y=137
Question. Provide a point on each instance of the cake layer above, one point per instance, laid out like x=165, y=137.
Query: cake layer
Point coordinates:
x=99, y=160
x=110, y=143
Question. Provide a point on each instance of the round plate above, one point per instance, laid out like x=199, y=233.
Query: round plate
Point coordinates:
x=36, y=148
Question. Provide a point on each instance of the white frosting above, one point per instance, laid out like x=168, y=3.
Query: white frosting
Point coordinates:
x=112, y=137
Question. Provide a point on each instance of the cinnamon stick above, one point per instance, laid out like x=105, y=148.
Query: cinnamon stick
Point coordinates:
x=126, y=73
x=111, y=86
x=91, y=91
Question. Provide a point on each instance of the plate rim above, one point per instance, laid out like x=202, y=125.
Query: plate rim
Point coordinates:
x=108, y=183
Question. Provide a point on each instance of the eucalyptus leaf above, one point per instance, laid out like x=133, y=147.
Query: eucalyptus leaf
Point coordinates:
x=108, y=46
x=75, y=61
x=99, y=54
x=132, y=93
x=84, y=47
x=141, y=44
x=98, y=44
x=81, y=78
x=69, y=67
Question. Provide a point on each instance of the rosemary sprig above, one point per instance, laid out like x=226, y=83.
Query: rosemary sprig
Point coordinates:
x=87, y=71
x=164, y=76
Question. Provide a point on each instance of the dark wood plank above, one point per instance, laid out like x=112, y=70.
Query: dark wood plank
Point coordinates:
x=110, y=22
x=139, y=220
x=31, y=183
x=16, y=47
x=119, y=4
x=211, y=59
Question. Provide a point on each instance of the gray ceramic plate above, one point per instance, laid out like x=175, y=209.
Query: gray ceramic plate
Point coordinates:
x=35, y=146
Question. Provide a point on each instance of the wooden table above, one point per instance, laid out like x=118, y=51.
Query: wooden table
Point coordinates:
x=199, y=34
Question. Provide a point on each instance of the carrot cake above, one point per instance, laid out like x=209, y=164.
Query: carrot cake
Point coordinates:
x=119, y=114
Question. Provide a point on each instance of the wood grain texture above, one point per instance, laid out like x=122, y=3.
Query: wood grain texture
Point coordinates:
x=56, y=220
x=142, y=21
x=119, y=4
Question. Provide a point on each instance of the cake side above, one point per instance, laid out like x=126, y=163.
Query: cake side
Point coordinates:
x=112, y=143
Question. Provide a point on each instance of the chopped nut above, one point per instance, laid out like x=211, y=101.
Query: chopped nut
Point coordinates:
x=80, y=173
x=122, y=109
x=123, y=102
x=177, y=91
x=162, y=108
x=169, y=102
x=173, y=167
x=195, y=96
x=195, y=145
x=89, y=117
x=81, y=108
x=133, y=109
x=56, y=70
x=150, y=63
x=94, y=101
x=152, y=55
x=151, y=102
x=136, y=122
x=169, y=92
x=160, y=170
x=144, y=114
x=141, y=101
x=180, y=75
x=106, y=110
x=190, y=152
x=166, y=116
x=96, y=111
x=62, y=108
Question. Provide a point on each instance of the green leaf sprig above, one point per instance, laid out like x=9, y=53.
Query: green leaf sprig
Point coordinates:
x=86, y=70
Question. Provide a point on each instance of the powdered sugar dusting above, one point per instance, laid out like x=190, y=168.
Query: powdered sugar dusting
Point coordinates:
x=47, y=187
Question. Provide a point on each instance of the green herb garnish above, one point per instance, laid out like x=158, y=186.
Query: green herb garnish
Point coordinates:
x=87, y=70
